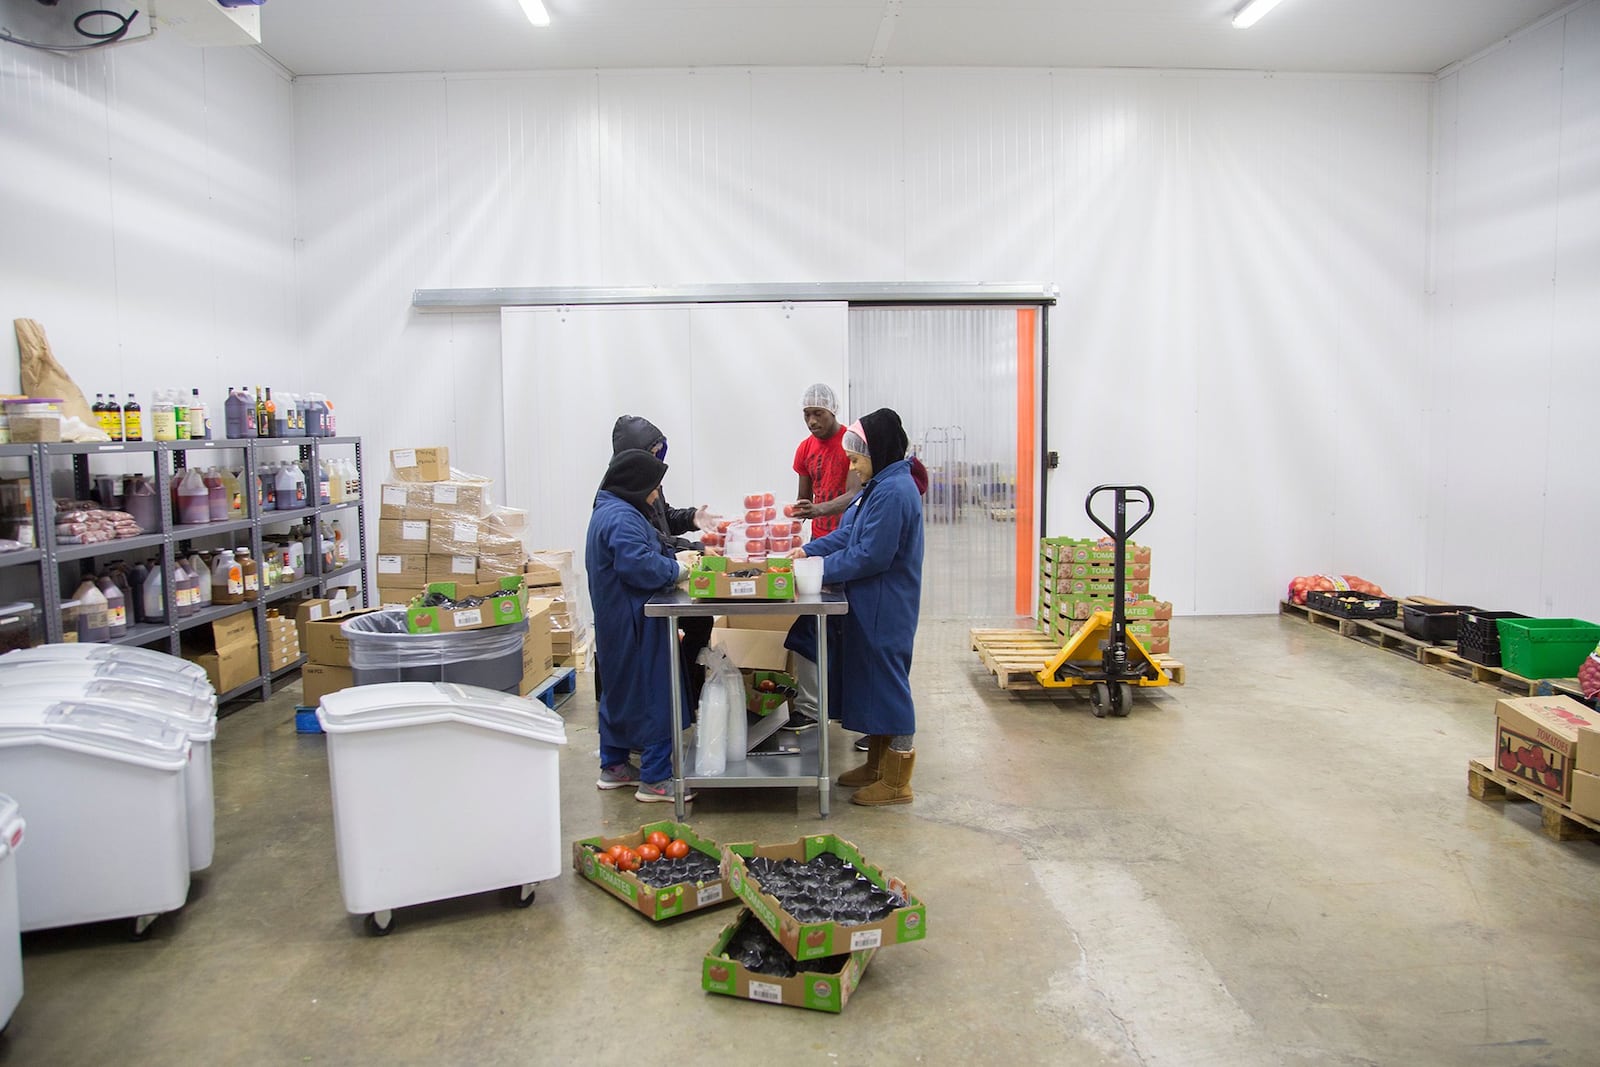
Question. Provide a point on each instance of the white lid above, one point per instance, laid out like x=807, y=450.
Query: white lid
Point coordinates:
x=394, y=704
x=157, y=660
x=99, y=729
x=36, y=673
x=196, y=717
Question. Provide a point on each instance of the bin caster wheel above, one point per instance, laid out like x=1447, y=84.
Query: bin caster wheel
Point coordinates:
x=521, y=896
x=1099, y=699
x=379, y=923
x=140, y=930
x=1121, y=700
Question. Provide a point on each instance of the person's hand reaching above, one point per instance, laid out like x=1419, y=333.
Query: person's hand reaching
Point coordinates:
x=802, y=509
x=705, y=520
x=796, y=553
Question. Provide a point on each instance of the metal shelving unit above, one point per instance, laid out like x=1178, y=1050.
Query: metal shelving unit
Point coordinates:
x=167, y=460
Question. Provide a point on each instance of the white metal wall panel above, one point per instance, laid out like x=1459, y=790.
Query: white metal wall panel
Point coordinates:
x=1517, y=323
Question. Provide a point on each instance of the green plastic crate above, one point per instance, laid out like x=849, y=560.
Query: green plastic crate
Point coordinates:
x=1546, y=648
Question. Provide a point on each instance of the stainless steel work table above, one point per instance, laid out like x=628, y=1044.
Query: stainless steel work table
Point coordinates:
x=810, y=765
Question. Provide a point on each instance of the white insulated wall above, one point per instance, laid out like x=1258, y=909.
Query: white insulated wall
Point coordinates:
x=1513, y=512
x=1241, y=261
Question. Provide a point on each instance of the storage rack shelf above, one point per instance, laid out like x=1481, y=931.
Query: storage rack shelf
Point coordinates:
x=166, y=460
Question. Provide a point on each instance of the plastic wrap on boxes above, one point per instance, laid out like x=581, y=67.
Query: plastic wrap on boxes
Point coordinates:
x=463, y=497
x=510, y=522
x=456, y=536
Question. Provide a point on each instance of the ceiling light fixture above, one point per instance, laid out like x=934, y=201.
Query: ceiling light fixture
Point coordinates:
x=536, y=13
x=1251, y=13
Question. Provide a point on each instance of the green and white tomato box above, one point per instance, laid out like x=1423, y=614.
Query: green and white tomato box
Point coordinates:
x=657, y=904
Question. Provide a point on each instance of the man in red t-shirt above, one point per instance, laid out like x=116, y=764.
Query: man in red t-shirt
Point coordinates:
x=826, y=485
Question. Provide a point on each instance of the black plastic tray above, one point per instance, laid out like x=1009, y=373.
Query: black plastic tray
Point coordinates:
x=1352, y=605
x=1432, y=622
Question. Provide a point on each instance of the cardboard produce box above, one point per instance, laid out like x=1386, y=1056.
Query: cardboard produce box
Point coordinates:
x=1089, y=550
x=823, y=986
x=714, y=579
x=447, y=500
x=313, y=610
x=495, y=610
x=402, y=536
x=325, y=641
x=1537, y=740
x=809, y=941
x=651, y=902
x=394, y=500
x=493, y=568
x=430, y=464
x=227, y=650
x=317, y=680
x=453, y=569
x=1144, y=607
x=1586, y=794
x=398, y=596
x=1100, y=571
x=453, y=537
x=410, y=569
x=750, y=647
x=538, y=651
x=1101, y=587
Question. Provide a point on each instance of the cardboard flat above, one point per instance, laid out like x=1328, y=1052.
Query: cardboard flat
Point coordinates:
x=317, y=680
x=498, y=611
x=656, y=904
x=818, y=989
x=431, y=464
x=1536, y=739
x=809, y=941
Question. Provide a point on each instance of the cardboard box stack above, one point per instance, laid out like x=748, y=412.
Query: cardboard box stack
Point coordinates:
x=552, y=575
x=283, y=641
x=227, y=650
x=1077, y=577
x=327, y=666
x=1551, y=744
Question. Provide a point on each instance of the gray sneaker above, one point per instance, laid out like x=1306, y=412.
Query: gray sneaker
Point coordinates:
x=658, y=793
x=618, y=776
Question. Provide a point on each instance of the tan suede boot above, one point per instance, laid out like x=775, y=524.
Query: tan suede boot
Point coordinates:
x=869, y=771
x=895, y=785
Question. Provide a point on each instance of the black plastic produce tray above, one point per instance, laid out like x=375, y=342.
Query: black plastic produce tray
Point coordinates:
x=1433, y=622
x=1478, y=636
x=1352, y=605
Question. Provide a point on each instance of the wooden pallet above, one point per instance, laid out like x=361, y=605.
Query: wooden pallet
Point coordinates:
x=1556, y=819
x=1387, y=634
x=1015, y=657
x=1447, y=660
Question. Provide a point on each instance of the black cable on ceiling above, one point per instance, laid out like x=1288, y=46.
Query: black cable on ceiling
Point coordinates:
x=98, y=40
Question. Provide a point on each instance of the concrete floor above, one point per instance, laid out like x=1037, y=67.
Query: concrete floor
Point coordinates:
x=1275, y=864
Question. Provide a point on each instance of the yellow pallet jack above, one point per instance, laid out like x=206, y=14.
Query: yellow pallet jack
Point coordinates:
x=1104, y=655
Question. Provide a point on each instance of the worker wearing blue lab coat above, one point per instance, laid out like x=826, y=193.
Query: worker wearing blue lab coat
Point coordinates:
x=877, y=555
x=628, y=564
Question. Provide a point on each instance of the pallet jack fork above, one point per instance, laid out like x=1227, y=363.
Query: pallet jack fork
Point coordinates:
x=1104, y=655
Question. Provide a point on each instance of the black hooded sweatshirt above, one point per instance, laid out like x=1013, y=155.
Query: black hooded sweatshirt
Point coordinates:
x=631, y=431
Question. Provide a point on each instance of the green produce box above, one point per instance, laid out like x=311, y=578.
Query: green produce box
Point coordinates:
x=719, y=578
x=653, y=903
x=498, y=611
x=1089, y=550
x=767, y=691
x=810, y=941
x=1546, y=648
x=818, y=988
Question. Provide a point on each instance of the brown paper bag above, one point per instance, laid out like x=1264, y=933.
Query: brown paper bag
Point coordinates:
x=43, y=376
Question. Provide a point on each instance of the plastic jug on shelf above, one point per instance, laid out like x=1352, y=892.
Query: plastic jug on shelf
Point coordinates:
x=140, y=500
x=202, y=579
x=233, y=489
x=227, y=580
x=216, y=495
x=116, y=607
x=92, y=622
x=153, y=599
x=191, y=499
x=247, y=570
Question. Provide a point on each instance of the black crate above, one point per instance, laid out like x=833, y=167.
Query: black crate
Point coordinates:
x=1432, y=622
x=1352, y=605
x=1478, y=637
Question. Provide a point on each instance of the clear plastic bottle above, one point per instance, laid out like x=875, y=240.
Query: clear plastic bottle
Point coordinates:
x=116, y=607
x=92, y=622
x=202, y=579
x=247, y=571
x=153, y=596
x=191, y=499
x=163, y=416
x=233, y=491
x=199, y=417
x=227, y=580
x=186, y=595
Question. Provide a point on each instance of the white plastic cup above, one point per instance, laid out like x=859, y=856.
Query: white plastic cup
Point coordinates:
x=808, y=575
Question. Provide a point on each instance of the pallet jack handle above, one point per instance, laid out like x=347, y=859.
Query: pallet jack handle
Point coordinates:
x=1124, y=494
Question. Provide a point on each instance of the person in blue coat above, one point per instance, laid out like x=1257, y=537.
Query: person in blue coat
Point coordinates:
x=876, y=554
x=628, y=564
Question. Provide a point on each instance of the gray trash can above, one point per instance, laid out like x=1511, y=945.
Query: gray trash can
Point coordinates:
x=382, y=651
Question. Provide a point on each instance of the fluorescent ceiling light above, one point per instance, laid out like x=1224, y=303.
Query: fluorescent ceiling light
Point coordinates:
x=1247, y=16
x=537, y=15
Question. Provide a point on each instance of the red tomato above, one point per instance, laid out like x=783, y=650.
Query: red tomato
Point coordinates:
x=677, y=849
x=628, y=861
x=767, y=500
x=788, y=511
x=616, y=851
x=794, y=529
x=754, y=500
x=658, y=839
x=722, y=526
x=604, y=859
x=755, y=531
x=779, y=544
x=756, y=515
x=771, y=513
x=648, y=853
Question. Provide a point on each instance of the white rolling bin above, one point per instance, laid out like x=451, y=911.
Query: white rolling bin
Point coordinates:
x=106, y=798
x=11, y=827
x=192, y=709
x=440, y=790
x=159, y=662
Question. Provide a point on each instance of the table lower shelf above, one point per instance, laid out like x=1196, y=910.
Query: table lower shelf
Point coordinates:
x=758, y=771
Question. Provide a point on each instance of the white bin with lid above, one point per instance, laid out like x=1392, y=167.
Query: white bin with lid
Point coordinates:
x=105, y=796
x=194, y=713
x=159, y=662
x=11, y=827
x=440, y=790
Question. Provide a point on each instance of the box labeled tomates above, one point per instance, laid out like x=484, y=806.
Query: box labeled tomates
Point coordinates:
x=672, y=882
x=767, y=691
x=1089, y=550
x=721, y=578
x=1537, y=740
x=748, y=962
x=445, y=607
x=820, y=897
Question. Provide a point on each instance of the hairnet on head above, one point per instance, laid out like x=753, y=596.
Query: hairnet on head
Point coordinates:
x=820, y=396
x=855, y=440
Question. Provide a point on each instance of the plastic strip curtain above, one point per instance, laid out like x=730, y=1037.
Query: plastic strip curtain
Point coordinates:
x=951, y=373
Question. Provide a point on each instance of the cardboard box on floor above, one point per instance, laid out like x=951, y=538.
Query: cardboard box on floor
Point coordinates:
x=325, y=641
x=1537, y=739
x=317, y=680
x=816, y=986
x=538, y=651
x=227, y=650
x=652, y=903
x=430, y=464
x=315, y=609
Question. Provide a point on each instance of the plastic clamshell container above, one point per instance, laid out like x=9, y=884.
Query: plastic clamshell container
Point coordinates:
x=32, y=405
x=11, y=831
x=165, y=665
x=1546, y=648
x=490, y=817
x=194, y=714
x=105, y=793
